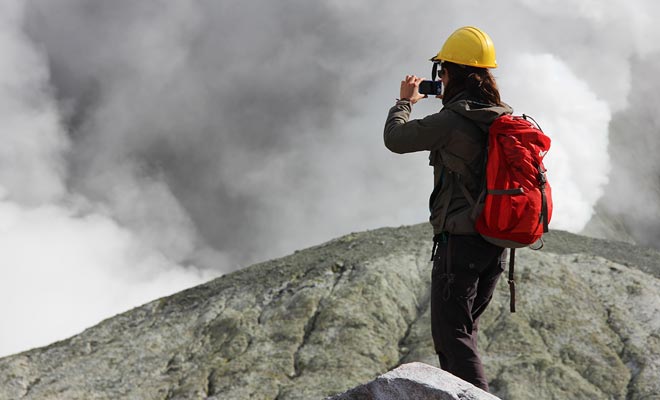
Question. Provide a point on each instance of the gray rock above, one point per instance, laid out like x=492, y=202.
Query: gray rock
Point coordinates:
x=416, y=381
x=334, y=316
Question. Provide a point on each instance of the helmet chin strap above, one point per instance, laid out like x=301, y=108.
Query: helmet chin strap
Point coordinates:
x=434, y=72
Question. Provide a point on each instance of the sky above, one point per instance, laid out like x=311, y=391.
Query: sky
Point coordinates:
x=152, y=145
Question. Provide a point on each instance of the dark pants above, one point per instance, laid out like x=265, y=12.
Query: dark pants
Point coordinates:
x=465, y=272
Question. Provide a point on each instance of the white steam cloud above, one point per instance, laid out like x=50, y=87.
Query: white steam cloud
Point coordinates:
x=149, y=145
x=63, y=272
x=33, y=143
x=65, y=263
x=577, y=121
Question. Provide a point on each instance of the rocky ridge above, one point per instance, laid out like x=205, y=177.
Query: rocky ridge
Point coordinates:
x=326, y=319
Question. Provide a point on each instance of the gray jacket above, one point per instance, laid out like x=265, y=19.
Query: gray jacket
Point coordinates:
x=456, y=137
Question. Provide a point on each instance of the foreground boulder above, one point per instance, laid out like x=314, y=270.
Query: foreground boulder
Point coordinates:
x=335, y=316
x=416, y=381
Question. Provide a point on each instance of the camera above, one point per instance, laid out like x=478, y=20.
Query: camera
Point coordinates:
x=433, y=88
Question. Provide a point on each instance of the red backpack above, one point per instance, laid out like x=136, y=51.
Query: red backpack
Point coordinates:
x=517, y=199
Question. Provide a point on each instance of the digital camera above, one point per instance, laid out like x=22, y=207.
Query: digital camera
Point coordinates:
x=432, y=88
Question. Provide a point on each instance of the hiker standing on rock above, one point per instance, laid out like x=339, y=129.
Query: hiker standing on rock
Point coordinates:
x=466, y=268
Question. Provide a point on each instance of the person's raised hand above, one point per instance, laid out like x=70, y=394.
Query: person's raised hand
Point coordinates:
x=410, y=89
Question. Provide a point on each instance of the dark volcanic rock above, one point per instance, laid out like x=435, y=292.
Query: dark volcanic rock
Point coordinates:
x=331, y=317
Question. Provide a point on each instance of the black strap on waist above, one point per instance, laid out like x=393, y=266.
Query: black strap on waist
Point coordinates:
x=442, y=242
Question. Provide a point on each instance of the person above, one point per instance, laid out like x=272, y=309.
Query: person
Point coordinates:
x=466, y=268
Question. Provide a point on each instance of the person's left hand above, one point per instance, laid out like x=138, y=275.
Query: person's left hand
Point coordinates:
x=410, y=89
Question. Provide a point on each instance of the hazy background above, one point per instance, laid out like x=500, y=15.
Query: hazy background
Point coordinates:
x=151, y=145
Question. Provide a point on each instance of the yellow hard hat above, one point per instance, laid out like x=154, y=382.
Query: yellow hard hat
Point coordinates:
x=468, y=46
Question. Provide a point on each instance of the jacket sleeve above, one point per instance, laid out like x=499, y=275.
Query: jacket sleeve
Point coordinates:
x=404, y=136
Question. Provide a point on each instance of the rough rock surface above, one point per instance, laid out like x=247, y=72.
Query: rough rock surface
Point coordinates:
x=332, y=317
x=416, y=381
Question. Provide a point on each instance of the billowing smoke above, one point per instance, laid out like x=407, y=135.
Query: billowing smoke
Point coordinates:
x=630, y=208
x=149, y=145
x=66, y=261
x=576, y=119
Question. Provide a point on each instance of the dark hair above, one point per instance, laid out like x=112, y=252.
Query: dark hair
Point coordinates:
x=477, y=82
